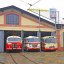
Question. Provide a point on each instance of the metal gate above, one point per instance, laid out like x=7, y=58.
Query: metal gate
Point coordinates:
x=1, y=41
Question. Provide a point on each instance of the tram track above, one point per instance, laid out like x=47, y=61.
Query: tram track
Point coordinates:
x=13, y=59
x=2, y=62
x=20, y=56
x=28, y=58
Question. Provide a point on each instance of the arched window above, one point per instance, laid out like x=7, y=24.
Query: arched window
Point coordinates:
x=12, y=19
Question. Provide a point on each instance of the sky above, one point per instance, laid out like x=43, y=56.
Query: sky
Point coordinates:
x=43, y=4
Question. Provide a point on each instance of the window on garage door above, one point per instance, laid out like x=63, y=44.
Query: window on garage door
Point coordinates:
x=12, y=19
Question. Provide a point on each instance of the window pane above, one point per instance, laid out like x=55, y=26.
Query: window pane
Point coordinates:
x=33, y=40
x=50, y=40
x=12, y=19
x=14, y=39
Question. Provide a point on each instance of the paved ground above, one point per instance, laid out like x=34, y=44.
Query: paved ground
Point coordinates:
x=56, y=57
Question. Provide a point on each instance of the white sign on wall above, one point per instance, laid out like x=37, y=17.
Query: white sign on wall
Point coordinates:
x=53, y=13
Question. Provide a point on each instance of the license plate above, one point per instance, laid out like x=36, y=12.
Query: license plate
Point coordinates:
x=14, y=48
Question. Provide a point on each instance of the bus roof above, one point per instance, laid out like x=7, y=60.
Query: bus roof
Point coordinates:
x=49, y=37
x=13, y=37
x=32, y=37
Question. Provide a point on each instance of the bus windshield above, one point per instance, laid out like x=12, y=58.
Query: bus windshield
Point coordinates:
x=50, y=40
x=14, y=39
x=33, y=40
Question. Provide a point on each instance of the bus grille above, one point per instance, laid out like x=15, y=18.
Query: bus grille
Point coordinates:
x=14, y=45
x=34, y=45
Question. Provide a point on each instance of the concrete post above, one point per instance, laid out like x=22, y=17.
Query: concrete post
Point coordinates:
x=58, y=38
x=22, y=36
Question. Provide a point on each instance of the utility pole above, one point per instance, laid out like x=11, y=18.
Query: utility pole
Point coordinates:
x=55, y=20
x=39, y=32
x=58, y=17
x=22, y=37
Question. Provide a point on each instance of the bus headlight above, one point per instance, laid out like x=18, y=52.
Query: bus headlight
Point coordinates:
x=9, y=43
x=38, y=45
x=30, y=45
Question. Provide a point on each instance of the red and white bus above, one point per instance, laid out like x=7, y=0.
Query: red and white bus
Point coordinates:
x=13, y=43
x=31, y=43
x=49, y=43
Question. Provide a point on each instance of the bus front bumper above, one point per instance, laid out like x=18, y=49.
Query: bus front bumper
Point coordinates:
x=33, y=48
x=50, y=49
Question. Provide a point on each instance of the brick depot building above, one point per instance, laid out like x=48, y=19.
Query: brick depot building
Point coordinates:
x=15, y=21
